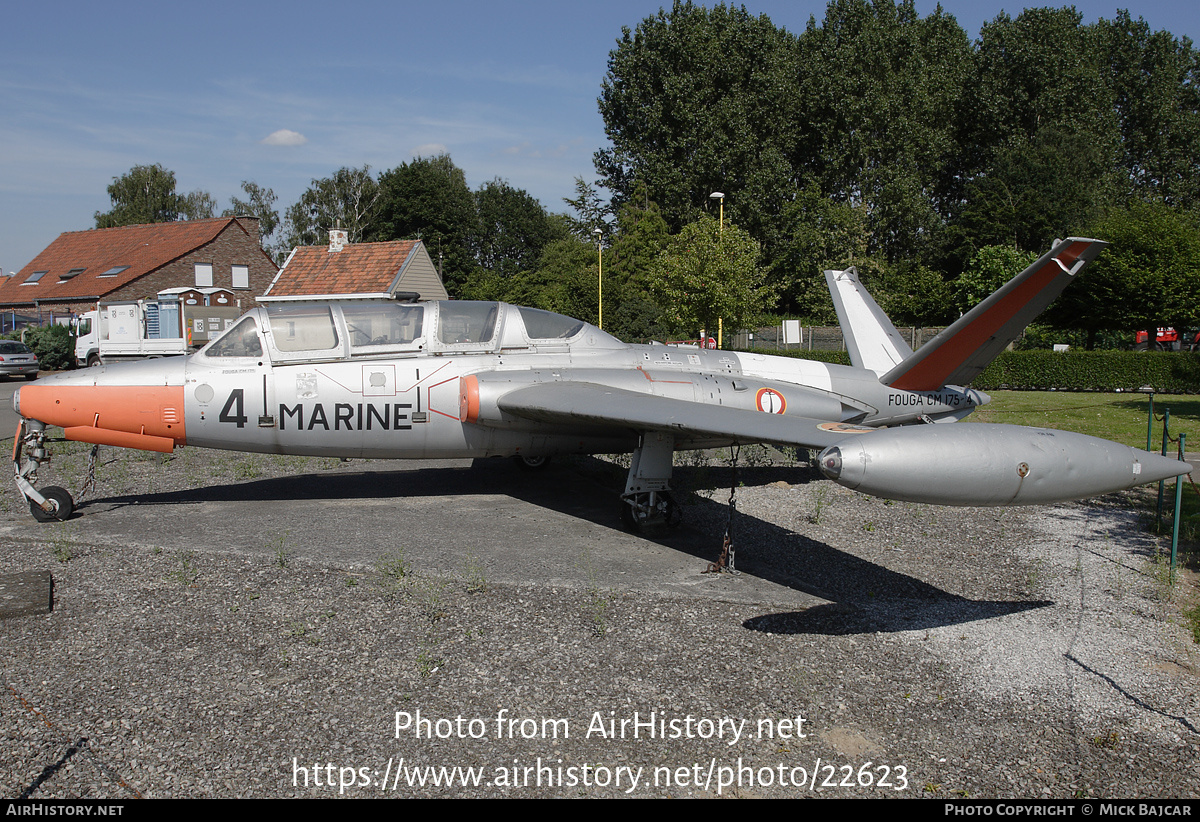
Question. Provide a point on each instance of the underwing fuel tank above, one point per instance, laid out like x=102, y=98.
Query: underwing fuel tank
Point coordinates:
x=986, y=465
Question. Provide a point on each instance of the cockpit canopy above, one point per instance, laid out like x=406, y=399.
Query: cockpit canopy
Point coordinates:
x=304, y=331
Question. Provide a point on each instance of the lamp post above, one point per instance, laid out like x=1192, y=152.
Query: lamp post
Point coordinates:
x=720, y=197
x=600, y=272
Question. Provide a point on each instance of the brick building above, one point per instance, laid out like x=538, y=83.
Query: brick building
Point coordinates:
x=358, y=268
x=81, y=268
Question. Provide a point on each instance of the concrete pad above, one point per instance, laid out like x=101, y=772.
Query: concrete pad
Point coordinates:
x=26, y=594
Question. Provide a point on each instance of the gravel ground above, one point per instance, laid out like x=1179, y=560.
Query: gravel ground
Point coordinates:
x=1007, y=653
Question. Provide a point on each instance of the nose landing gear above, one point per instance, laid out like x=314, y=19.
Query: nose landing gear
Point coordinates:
x=647, y=500
x=51, y=504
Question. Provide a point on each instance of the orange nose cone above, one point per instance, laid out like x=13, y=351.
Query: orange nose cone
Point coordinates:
x=146, y=417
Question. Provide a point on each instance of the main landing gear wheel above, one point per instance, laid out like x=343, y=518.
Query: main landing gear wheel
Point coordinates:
x=533, y=463
x=60, y=498
x=650, y=508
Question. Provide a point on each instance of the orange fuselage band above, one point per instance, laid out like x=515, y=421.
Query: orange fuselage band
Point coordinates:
x=150, y=416
x=468, y=399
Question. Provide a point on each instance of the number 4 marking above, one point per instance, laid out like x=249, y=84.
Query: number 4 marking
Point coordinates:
x=236, y=403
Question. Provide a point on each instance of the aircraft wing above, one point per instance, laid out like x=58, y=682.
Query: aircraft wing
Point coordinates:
x=598, y=405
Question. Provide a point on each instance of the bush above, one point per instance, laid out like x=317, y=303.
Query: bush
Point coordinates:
x=53, y=344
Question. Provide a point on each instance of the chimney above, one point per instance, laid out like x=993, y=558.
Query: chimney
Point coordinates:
x=337, y=239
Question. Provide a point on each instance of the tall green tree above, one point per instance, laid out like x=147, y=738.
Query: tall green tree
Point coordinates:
x=820, y=233
x=513, y=229
x=428, y=199
x=1038, y=136
x=640, y=234
x=880, y=89
x=346, y=200
x=708, y=274
x=699, y=100
x=1154, y=79
x=260, y=203
x=592, y=213
x=146, y=194
x=1041, y=69
x=1034, y=190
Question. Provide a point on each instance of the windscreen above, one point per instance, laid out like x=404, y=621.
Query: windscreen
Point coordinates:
x=240, y=341
x=302, y=327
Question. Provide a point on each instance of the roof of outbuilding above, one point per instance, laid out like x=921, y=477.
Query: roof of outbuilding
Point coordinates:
x=357, y=268
x=136, y=249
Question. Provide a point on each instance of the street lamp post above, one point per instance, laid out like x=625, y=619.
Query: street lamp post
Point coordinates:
x=600, y=272
x=720, y=197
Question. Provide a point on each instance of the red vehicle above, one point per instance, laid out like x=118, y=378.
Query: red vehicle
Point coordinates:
x=1167, y=339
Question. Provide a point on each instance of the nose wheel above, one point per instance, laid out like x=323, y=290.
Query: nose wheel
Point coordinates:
x=649, y=508
x=60, y=503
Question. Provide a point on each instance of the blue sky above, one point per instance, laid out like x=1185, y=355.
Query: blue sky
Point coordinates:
x=88, y=90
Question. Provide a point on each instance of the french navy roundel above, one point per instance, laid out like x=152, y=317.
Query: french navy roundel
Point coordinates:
x=771, y=401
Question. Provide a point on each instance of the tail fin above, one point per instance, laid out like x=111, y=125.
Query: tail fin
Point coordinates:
x=961, y=351
x=871, y=339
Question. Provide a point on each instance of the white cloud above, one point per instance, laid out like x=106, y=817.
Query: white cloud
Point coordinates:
x=284, y=137
x=430, y=150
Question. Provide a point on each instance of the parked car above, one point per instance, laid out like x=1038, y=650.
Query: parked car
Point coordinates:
x=16, y=360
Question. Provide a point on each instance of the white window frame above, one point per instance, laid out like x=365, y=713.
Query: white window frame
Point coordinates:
x=204, y=275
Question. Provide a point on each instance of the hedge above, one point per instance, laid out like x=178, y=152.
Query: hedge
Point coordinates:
x=1165, y=371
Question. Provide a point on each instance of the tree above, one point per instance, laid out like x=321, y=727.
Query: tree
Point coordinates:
x=1033, y=191
x=513, y=229
x=820, y=233
x=593, y=213
x=699, y=100
x=1148, y=277
x=146, y=194
x=1155, y=83
x=641, y=234
x=880, y=89
x=346, y=200
x=990, y=268
x=260, y=203
x=428, y=199
x=708, y=274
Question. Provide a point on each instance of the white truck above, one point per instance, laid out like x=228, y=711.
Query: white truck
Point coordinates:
x=139, y=329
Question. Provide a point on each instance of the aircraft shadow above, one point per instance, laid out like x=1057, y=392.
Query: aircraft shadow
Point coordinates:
x=864, y=597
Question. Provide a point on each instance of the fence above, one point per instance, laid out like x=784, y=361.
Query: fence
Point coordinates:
x=816, y=338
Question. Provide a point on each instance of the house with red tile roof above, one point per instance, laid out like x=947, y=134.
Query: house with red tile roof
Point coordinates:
x=135, y=262
x=341, y=268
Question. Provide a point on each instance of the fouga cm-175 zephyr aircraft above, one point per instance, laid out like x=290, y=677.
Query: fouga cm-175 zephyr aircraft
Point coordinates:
x=388, y=379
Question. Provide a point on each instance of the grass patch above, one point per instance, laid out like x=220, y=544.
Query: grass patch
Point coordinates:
x=1117, y=417
x=1191, y=620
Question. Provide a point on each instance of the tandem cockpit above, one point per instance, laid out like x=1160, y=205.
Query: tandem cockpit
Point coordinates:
x=297, y=331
